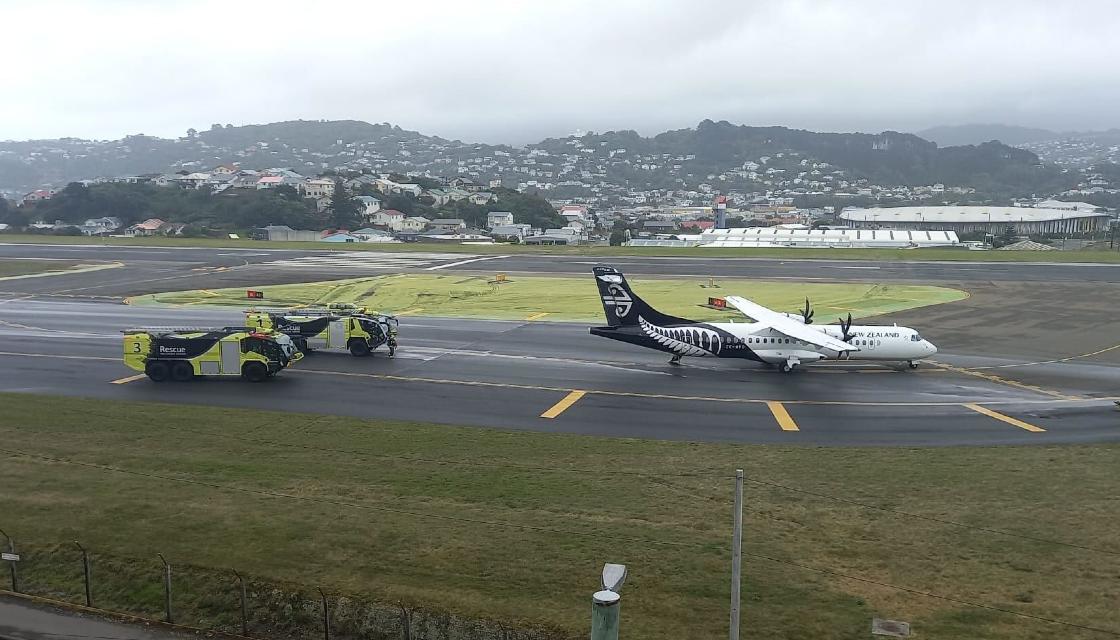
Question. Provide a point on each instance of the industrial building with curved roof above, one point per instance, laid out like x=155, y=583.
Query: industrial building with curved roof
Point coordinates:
x=1024, y=220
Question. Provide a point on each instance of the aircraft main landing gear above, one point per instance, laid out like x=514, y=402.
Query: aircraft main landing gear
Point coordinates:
x=789, y=365
x=675, y=360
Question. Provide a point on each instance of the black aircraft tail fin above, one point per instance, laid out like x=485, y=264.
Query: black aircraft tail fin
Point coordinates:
x=622, y=305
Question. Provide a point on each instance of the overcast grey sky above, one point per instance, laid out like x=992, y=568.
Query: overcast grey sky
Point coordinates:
x=515, y=72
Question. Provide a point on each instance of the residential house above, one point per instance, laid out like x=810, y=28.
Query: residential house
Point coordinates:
x=454, y=225
x=318, y=188
x=269, y=182
x=482, y=197
x=322, y=203
x=414, y=189
x=368, y=206
x=456, y=194
x=192, y=180
x=390, y=218
x=100, y=226
x=149, y=227
x=465, y=184
x=226, y=169
x=498, y=218
x=438, y=197
x=413, y=224
x=37, y=195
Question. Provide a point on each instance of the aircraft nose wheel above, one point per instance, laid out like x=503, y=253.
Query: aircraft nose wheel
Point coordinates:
x=912, y=364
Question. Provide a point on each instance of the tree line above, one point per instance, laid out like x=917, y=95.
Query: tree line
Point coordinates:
x=205, y=211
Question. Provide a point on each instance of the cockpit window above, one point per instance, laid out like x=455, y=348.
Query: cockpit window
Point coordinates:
x=915, y=338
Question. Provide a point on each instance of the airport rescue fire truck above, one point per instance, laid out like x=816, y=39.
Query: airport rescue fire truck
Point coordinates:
x=337, y=327
x=181, y=353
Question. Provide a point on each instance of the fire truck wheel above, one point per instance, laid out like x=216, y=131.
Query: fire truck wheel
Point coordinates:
x=181, y=371
x=359, y=348
x=157, y=371
x=254, y=372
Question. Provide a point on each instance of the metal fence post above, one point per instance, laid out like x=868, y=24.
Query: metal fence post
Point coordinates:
x=326, y=616
x=85, y=573
x=736, y=555
x=166, y=589
x=12, y=562
x=244, y=616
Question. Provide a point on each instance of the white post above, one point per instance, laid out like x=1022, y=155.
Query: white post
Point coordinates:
x=736, y=555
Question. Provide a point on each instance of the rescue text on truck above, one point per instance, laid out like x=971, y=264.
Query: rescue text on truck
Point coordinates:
x=182, y=353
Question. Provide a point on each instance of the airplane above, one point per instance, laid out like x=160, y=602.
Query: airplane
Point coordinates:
x=783, y=339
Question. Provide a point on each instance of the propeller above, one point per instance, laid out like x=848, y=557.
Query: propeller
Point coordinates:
x=807, y=313
x=845, y=325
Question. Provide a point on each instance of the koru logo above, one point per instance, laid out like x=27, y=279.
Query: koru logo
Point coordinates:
x=621, y=299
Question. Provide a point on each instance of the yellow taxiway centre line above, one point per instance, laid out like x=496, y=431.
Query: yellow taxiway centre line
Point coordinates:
x=1000, y=380
x=134, y=378
x=563, y=405
x=537, y=316
x=782, y=416
x=1004, y=418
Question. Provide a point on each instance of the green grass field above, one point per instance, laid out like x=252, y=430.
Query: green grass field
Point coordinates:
x=16, y=267
x=514, y=526
x=575, y=299
x=831, y=254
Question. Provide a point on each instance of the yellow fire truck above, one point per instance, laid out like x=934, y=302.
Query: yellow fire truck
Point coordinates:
x=335, y=327
x=181, y=353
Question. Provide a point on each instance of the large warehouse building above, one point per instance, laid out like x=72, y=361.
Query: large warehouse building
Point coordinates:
x=1024, y=220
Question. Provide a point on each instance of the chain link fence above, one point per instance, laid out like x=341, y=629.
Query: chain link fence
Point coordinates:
x=230, y=602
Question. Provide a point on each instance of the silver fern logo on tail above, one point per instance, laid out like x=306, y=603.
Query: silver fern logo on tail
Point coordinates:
x=685, y=341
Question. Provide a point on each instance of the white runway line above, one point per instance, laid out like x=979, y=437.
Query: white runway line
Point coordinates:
x=462, y=262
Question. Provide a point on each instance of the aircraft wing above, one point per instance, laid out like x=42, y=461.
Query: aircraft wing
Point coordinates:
x=788, y=326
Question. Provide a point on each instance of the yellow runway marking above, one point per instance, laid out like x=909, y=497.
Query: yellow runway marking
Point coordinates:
x=1000, y=380
x=782, y=416
x=134, y=378
x=1031, y=364
x=621, y=394
x=563, y=405
x=1005, y=418
x=537, y=316
x=666, y=396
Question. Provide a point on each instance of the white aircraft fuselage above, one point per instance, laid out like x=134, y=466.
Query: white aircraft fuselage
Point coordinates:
x=784, y=339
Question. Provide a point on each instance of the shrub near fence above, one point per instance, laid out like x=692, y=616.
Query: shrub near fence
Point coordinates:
x=209, y=599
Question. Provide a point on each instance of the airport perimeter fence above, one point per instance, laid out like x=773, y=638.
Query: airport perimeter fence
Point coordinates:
x=185, y=596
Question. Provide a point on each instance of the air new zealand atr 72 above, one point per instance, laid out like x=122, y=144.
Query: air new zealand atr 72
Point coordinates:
x=782, y=339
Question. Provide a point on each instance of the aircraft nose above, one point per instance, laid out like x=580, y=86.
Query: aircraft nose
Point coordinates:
x=930, y=349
